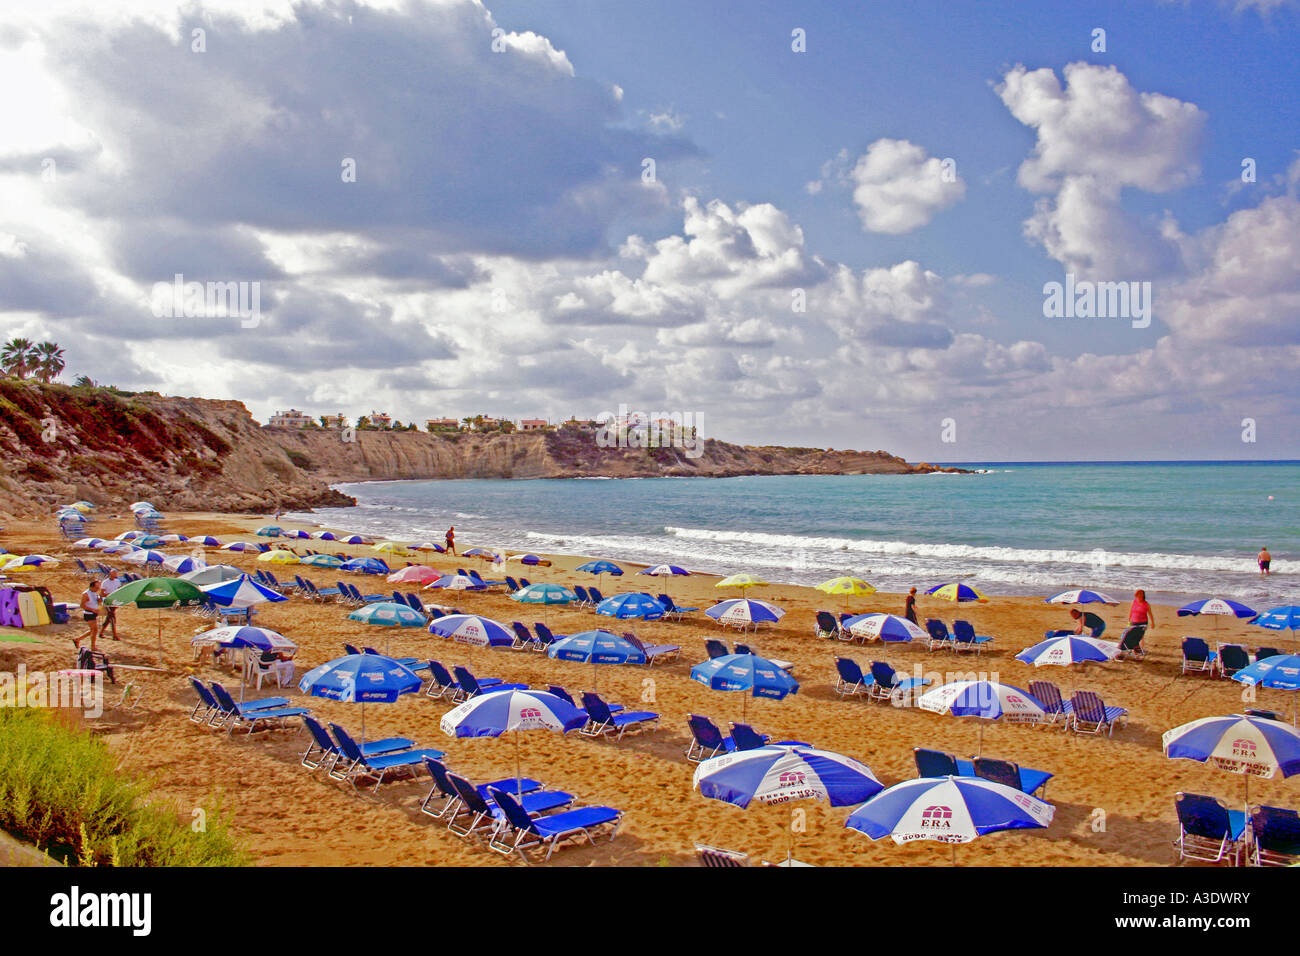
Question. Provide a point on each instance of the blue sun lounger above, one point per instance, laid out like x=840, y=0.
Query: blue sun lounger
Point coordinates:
x=706, y=739
x=1274, y=837
x=253, y=712
x=601, y=720
x=939, y=763
x=353, y=764
x=443, y=788
x=523, y=832
x=470, y=686
x=653, y=652
x=485, y=813
x=1207, y=830
x=964, y=638
x=851, y=681
x=324, y=751
x=1090, y=710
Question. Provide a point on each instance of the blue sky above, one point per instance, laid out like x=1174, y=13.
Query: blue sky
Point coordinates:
x=500, y=253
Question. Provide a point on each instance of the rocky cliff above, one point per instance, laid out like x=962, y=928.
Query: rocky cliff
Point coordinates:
x=61, y=443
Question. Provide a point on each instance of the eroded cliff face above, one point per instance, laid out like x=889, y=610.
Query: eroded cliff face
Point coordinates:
x=61, y=443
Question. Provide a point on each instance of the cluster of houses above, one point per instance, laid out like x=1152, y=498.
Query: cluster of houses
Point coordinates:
x=666, y=429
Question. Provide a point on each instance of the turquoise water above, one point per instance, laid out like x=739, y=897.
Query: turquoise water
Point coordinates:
x=1015, y=528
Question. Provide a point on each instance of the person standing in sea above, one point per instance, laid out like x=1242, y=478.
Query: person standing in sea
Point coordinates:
x=451, y=540
x=1265, y=559
x=909, y=611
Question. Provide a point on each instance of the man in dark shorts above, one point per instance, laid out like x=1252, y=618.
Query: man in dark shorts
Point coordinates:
x=1086, y=619
x=1265, y=559
x=451, y=540
x=91, y=603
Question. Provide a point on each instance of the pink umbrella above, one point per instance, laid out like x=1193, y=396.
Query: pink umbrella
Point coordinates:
x=415, y=573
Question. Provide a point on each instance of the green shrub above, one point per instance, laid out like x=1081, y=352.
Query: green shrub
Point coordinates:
x=59, y=789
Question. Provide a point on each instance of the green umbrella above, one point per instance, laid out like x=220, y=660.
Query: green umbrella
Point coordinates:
x=156, y=593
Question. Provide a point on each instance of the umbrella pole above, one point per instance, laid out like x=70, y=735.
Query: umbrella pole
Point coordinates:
x=363, y=722
x=519, y=784
x=954, y=854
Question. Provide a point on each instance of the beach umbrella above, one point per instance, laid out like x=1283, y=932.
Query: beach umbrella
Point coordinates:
x=156, y=593
x=889, y=628
x=1250, y=746
x=366, y=566
x=245, y=638
x=392, y=547
x=241, y=546
x=744, y=611
x=956, y=592
x=241, y=593
x=456, y=582
x=1219, y=607
x=294, y=533
x=129, y=535
x=486, y=555
x=756, y=675
x=143, y=556
x=183, y=564
x=473, y=630
x=531, y=560
x=141, y=505
x=414, y=574
x=119, y=547
x=149, y=541
x=1279, y=672
x=850, y=587
x=173, y=537
x=212, y=574
x=632, y=604
x=948, y=809
x=596, y=647
x=665, y=570
x=1080, y=596
x=1282, y=618
x=388, y=614
x=1068, y=649
x=983, y=699
x=356, y=539
x=29, y=562
x=601, y=567
x=269, y=531
x=206, y=541
x=743, y=581
x=278, y=556
x=322, y=560
x=428, y=546
x=88, y=542
x=511, y=711
x=324, y=535
x=359, y=679
x=82, y=505
x=544, y=594
x=778, y=774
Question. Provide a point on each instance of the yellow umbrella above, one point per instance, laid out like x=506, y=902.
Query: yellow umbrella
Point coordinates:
x=31, y=562
x=82, y=506
x=743, y=581
x=853, y=587
x=279, y=556
x=393, y=547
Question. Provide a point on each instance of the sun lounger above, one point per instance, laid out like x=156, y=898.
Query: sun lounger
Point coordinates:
x=1264, y=653
x=353, y=763
x=706, y=739
x=324, y=750
x=443, y=788
x=674, y=610
x=653, y=652
x=1232, y=658
x=1091, y=711
x=480, y=805
x=594, y=594
x=746, y=649
x=716, y=648
x=1266, y=714
x=207, y=707
x=1049, y=695
x=1207, y=830
x=441, y=681
x=939, y=636
x=584, y=599
x=601, y=720
x=888, y=685
x=935, y=763
x=746, y=737
x=1032, y=782
x=1197, y=656
x=718, y=858
x=544, y=638
x=964, y=638
x=1130, y=642
x=1274, y=837
x=523, y=637
x=253, y=713
x=826, y=626
x=524, y=832
x=470, y=686
x=851, y=681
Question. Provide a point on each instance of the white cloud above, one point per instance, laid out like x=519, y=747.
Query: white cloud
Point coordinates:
x=897, y=187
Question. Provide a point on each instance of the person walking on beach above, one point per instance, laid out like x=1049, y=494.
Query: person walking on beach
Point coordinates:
x=107, y=587
x=1265, y=559
x=1139, y=611
x=451, y=540
x=91, y=600
x=909, y=611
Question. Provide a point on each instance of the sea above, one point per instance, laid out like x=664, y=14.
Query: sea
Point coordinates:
x=1175, y=529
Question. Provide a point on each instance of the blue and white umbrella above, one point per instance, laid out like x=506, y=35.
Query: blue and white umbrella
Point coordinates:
x=497, y=712
x=456, y=582
x=206, y=541
x=241, y=593
x=1247, y=745
x=473, y=630
x=145, y=556
x=255, y=638
x=184, y=564
x=1217, y=606
x=356, y=539
x=362, y=679
x=366, y=566
x=294, y=534
x=88, y=542
x=984, y=699
x=544, y=594
x=949, y=810
x=1069, y=649
x=130, y=535
x=782, y=773
x=212, y=574
x=601, y=567
x=241, y=546
x=1279, y=672
x=324, y=535
x=173, y=537
x=1080, y=596
x=632, y=604
x=531, y=560
x=596, y=647
x=743, y=611
x=664, y=571
x=889, y=628
x=388, y=614
x=745, y=672
x=1285, y=618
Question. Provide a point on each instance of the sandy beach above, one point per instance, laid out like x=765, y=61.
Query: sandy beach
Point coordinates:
x=1114, y=797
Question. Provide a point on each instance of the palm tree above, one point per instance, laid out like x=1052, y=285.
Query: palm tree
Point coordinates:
x=48, y=361
x=84, y=381
x=18, y=357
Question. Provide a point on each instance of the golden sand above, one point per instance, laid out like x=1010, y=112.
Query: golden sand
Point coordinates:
x=1114, y=797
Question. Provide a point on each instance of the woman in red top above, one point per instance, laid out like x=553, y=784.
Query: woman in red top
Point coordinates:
x=1139, y=611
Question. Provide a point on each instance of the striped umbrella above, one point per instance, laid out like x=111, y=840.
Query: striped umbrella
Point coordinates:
x=983, y=699
x=1218, y=607
x=744, y=611
x=1068, y=649
x=1250, y=746
x=324, y=535
x=173, y=538
x=884, y=627
x=88, y=542
x=949, y=810
x=456, y=582
x=956, y=592
x=1080, y=596
x=241, y=593
x=473, y=630
x=183, y=563
x=780, y=773
x=206, y=541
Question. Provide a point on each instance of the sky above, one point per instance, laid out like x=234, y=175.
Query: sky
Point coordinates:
x=832, y=224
